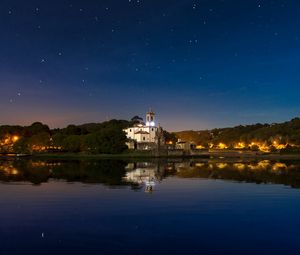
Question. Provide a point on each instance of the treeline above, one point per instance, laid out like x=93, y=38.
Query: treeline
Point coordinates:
x=286, y=134
x=106, y=137
x=108, y=172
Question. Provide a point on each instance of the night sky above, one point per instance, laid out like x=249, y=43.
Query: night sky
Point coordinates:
x=197, y=64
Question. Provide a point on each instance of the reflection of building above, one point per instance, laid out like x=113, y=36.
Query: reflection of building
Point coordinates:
x=144, y=135
x=144, y=174
x=141, y=172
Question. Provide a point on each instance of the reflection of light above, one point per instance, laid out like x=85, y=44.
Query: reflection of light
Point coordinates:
x=9, y=170
x=239, y=166
x=261, y=165
x=200, y=147
x=279, y=166
x=221, y=165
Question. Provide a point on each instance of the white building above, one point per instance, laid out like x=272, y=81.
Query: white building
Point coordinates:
x=143, y=133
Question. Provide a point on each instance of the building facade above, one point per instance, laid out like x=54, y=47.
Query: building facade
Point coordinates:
x=143, y=134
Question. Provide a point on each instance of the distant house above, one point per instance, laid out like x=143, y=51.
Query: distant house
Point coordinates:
x=185, y=145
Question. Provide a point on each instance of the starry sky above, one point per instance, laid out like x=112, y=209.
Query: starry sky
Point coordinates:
x=197, y=63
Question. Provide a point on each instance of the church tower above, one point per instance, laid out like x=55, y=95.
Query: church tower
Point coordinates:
x=150, y=119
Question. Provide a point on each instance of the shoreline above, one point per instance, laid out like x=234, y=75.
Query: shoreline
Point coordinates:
x=220, y=155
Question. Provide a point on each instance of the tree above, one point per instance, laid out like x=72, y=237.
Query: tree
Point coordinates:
x=90, y=144
x=72, y=143
x=58, y=139
x=37, y=128
x=136, y=119
x=111, y=141
x=169, y=137
x=72, y=130
x=39, y=142
x=21, y=146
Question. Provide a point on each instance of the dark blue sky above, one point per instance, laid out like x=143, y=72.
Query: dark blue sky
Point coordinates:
x=198, y=64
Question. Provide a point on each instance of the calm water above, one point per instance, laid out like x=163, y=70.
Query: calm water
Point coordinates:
x=117, y=207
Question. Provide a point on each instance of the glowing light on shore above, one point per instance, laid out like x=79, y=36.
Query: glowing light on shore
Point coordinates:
x=8, y=141
x=261, y=146
x=279, y=146
x=15, y=138
x=240, y=145
x=222, y=146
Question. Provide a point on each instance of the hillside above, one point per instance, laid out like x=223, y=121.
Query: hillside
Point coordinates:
x=264, y=137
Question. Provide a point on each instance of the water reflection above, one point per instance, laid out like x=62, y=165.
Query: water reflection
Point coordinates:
x=147, y=175
x=108, y=172
x=264, y=171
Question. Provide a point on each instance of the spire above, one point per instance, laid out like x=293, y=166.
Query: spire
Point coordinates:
x=150, y=110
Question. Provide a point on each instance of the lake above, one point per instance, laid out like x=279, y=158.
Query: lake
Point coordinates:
x=213, y=206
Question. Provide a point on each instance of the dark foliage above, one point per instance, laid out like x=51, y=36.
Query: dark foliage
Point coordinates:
x=107, y=137
x=287, y=132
